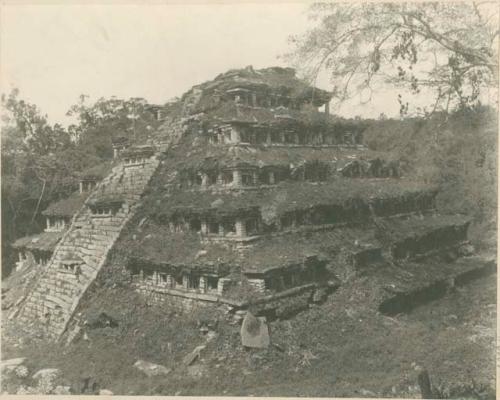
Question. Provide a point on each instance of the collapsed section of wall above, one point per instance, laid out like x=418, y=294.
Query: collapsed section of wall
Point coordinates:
x=83, y=249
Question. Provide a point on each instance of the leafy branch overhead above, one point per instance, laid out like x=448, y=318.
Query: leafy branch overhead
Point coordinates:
x=41, y=162
x=451, y=48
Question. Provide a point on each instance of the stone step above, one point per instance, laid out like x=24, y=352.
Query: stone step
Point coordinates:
x=60, y=300
x=91, y=239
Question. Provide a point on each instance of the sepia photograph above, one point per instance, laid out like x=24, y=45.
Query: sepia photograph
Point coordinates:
x=249, y=198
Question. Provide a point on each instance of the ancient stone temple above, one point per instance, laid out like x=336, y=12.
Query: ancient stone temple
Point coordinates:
x=37, y=249
x=250, y=195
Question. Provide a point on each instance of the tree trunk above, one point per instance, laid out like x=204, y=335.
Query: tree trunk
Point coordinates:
x=39, y=200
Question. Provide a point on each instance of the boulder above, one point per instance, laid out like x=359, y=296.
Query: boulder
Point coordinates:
x=11, y=364
x=105, y=392
x=193, y=356
x=47, y=380
x=367, y=393
x=47, y=373
x=254, y=332
x=151, y=369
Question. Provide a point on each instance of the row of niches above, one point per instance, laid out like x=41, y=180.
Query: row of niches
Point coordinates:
x=253, y=177
x=87, y=185
x=134, y=155
x=228, y=227
x=314, y=171
x=185, y=282
x=135, y=160
x=32, y=257
x=261, y=99
x=249, y=226
x=284, y=279
x=56, y=223
x=71, y=268
x=108, y=208
x=266, y=135
x=104, y=211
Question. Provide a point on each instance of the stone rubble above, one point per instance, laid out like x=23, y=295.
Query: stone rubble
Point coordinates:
x=151, y=369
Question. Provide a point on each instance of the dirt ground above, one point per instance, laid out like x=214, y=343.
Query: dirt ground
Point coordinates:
x=341, y=348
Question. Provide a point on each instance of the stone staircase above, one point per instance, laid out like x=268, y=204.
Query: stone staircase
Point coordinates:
x=83, y=249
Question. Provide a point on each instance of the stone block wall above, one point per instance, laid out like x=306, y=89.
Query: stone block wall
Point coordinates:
x=56, y=294
x=177, y=303
x=258, y=284
x=438, y=239
x=223, y=285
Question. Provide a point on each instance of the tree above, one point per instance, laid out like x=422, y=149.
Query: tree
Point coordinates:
x=450, y=48
x=462, y=162
x=33, y=133
x=100, y=122
x=29, y=143
x=41, y=162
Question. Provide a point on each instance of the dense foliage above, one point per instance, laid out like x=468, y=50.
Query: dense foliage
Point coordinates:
x=456, y=151
x=106, y=119
x=41, y=162
x=448, y=48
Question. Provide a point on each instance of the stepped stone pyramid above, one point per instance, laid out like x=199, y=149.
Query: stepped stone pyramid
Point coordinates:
x=83, y=248
x=267, y=202
x=252, y=197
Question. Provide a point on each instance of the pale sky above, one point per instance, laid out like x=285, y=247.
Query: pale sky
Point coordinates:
x=54, y=53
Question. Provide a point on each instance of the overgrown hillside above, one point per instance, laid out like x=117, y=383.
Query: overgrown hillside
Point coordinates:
x=455, y=151
x=343, y=347
x=329, y=350
x=42, y=162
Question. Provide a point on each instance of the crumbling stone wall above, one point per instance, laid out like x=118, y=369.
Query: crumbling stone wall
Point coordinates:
x=56, y=294
x=437, y=239
x=178, y=304
x=89, y=238
x=404, y=204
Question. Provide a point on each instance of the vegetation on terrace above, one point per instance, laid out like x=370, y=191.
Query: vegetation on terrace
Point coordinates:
x=43, y=163
x=155, y=243
x=282, y=81
x=286, y=196
x=66, y=207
